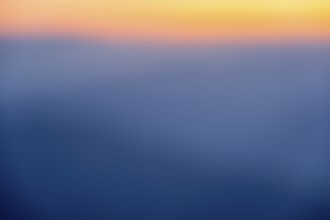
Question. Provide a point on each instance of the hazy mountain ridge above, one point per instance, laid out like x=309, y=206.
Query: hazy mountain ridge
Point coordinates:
x=137, y=132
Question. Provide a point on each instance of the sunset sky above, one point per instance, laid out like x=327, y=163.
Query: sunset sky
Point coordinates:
x=168, y=20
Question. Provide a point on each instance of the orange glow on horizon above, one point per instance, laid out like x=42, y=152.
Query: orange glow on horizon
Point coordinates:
x=169, y=20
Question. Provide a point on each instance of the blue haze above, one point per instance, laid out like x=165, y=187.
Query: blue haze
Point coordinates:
x=93, y=131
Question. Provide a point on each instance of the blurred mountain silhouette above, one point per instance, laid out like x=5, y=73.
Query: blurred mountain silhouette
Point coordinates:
x=103, y=131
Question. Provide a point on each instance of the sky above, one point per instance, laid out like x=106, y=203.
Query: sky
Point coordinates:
x=170, y=20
